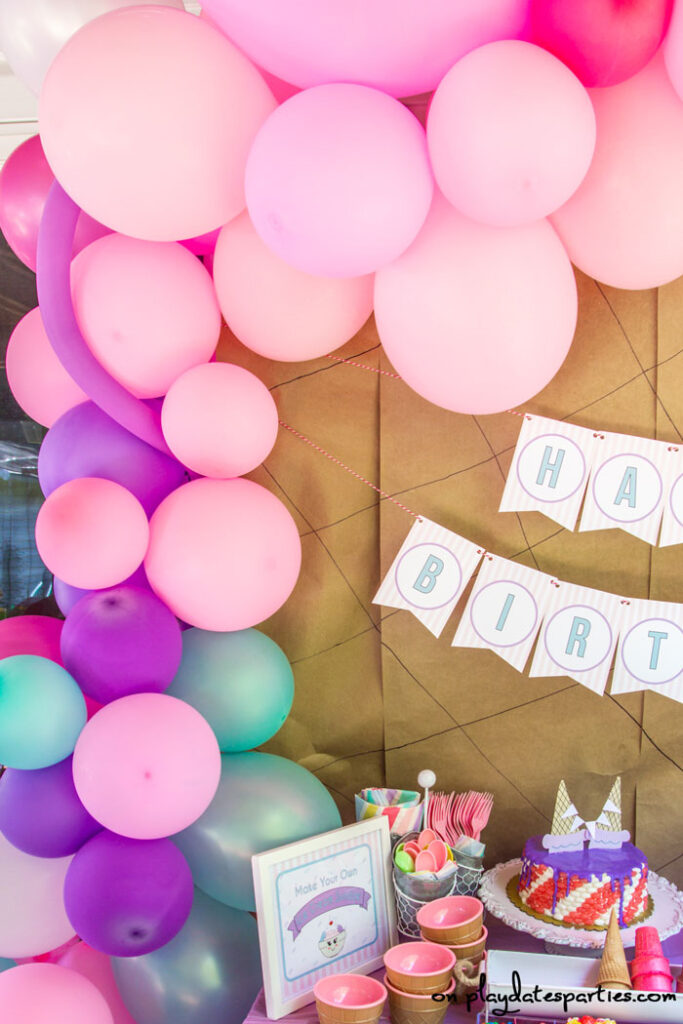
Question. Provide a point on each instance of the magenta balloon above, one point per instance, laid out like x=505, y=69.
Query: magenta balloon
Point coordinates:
x=67, y=596
x=31, y=634
x=202, y=245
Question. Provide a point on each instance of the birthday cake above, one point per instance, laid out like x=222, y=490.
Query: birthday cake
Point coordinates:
x=578, y=872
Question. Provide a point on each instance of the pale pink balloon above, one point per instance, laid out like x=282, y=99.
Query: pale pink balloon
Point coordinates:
x=353, y=182
x=33, y=919
x=92, y=533
x=279, y=311
x=50, y=994
x=223, y=554
x=511, y=134
x=672, y=50
x=159, y=151
x=219, y=420
x=147, y=766
x=37, y=379
x=148, y=310
x=96, y=967
x=477, y=319
x=624, y=225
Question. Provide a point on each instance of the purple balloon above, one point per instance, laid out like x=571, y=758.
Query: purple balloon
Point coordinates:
x=40, y=812
x=126, y=897
x=120, y=641
x=84, y=441
x=67, y=596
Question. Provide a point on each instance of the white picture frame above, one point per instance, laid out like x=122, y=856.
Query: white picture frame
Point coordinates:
x=332, y=891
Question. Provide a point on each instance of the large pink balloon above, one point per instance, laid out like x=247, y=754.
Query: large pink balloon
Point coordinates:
x=33, y=918
x=353, y=182
x=403, y=47
x=223, y=554
x=158, y=152
x=477, y=319
x=148, y=310
x=624, y=225
x=278, y=311
x=96, y=967
x=50, y=994
x=37, y=379
x=92, y=533
x=147, y=766
x=672, y=49
x=511, y=133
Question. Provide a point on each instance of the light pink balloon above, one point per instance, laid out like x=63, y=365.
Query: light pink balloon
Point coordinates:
x=353, y=182
x=219, y=420
x=96, y=967
x=158, y=152
x=223, y=554
x=624, y=225
x=477, y=319
x=147, y=766
x=279, y=311
x=33, y=919
x=672, y=50
x=37, y=379
x=50, y=994
x=148, y=310
x=92, y=533
x=511, y=134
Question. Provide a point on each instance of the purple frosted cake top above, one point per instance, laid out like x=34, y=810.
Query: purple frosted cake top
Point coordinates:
x=585, y=863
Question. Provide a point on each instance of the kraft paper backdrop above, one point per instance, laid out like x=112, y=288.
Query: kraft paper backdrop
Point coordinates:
x=378, y=697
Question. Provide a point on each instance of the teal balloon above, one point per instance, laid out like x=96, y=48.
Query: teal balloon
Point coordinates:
x=240, y=682
x=42, y=712
x=5, y=964
x=210, y=973
x=262, y=801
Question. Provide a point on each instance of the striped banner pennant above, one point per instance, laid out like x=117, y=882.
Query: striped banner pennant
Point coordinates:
x=650, y=653
x=550, y=470
x=505, y=610
x=429, y=574
x=672, y=520
x=579, y=635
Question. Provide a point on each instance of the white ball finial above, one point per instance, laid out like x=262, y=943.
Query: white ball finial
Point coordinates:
x=426, y=778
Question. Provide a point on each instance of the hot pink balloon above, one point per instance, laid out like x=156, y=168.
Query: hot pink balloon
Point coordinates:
x=304, y=316
x=37, y=379
x=50, y=994
x=477, y=319
x=159, y=152
x=511, y=134
x=31, y=634
x=147, y=766
x=353, y=182
x=223, y=554
x=624, y=225
x=92, y=533
x=96, y=967
x=148, y=311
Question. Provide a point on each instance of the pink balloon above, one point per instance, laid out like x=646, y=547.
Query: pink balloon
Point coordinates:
x=96, y=967
x=202, y=245
x=148, y=311
x=477, y=319
x=511, y=134
x=603, y=41
x=304, y=316
x=672, y=49
x=219, y=420
x=31, y=634
x=50, y=994
x=158, y=152
x=33, y=919
x=403, y=47
x=353, y=182
x=624, y=225
x=37, y=379
x=147, y=766
x=92, y=533
x=223, y=554
x=25, y=181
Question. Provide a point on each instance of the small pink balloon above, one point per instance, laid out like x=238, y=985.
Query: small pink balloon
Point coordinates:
x=353, y=185
x=304, y=316
x=50, y=994
x=96, y=967
x=37, y=379
x=148, y=311
x=31, y=634
x=219, y=420
x=223, y=554
x=511, y=134
x=202, y=245
x=672, y=49
x=159, y=152
x=147, y=766
x=92, y=533
x=477, y=319
x=624, y=225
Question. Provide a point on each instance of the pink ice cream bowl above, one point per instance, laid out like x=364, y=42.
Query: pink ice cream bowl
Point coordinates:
x=452, y=920
x=349, y=999
x=473, y=950
x=419, y=967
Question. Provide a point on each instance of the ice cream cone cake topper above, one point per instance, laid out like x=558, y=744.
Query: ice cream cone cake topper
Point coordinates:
x=565, y=832
x=569, y=830
x=614, y=971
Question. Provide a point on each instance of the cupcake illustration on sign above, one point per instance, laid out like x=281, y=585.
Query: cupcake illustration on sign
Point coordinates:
x=332, y=940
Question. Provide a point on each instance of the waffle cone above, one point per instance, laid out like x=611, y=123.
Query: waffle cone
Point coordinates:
x=433, y=1015
x=347, y=1014
x=614, y=971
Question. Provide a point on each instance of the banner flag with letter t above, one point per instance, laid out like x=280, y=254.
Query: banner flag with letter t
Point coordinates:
x=650, y=654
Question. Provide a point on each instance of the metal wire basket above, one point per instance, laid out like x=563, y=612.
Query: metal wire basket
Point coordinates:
x=468, y=876
x=407, y=908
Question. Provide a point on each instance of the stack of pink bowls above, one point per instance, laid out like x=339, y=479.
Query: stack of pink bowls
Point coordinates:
x=419, y=979
x=455, y=922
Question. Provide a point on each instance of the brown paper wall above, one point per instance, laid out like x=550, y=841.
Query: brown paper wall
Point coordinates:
x=378, y=697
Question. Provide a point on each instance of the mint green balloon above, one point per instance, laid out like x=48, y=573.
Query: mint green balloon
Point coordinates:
x=240, y=682
x=6, y=964
x=42, y=712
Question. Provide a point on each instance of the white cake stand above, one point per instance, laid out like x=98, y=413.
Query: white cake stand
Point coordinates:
x=666, y=916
